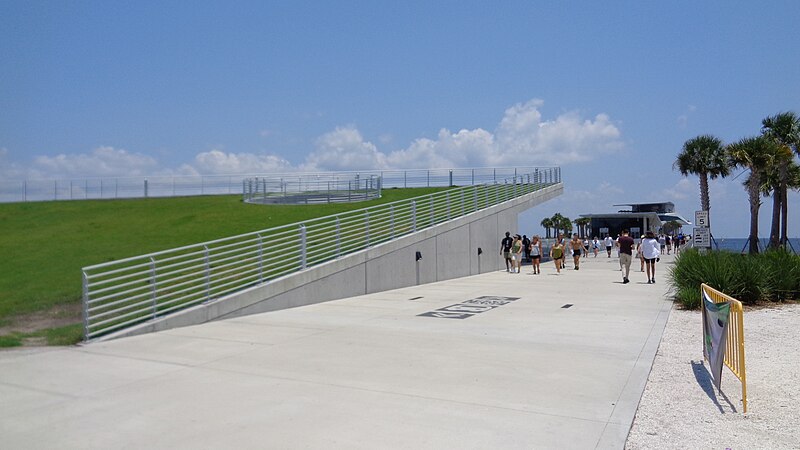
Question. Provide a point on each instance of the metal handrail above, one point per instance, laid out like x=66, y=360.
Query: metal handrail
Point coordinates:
x=133, y=290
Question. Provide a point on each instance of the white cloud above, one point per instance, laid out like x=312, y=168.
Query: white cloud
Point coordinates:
x=344, y=149
x=682, y=190
x=102, y=161
x=8, y=169
x=217, y=162
x=522, y=137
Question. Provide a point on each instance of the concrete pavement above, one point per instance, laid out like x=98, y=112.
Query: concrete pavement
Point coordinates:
x=397, y=369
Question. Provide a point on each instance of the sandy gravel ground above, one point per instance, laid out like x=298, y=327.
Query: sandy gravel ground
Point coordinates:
x=680, y=409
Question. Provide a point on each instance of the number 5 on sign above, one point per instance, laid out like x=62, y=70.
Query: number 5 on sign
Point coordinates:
x=701, y=218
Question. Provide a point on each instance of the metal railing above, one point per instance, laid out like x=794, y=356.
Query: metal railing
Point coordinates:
x=123, y=293
x=311, y=190
x=180, y=186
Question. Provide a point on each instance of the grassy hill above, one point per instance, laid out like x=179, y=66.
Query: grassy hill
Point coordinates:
x=44, y=245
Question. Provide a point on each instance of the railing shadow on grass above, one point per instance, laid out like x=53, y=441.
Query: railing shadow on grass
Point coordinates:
x=706, y=382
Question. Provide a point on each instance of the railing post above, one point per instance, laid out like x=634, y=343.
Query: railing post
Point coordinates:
x=208, y=273
x=451, y=179
x=303, y=247
x=366, y=219
x=260, y=258
x=145, y=188
x=85, y=283
x=338, y=238
x=414, y=215
x=153, y=286
x=391, y=217
x=429, y=178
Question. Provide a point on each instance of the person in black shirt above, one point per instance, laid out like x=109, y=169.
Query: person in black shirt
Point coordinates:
x=625, y=244
x=526, y=248
x=505, y=250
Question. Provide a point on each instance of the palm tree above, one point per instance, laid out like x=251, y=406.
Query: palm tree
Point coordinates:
x=558, y=221
x=547, y=223
x=754, y=154
x=566, y=225
x=705, y=157
x=775, y=181
x=670, y=227
x=582, y=222
x=783, y=128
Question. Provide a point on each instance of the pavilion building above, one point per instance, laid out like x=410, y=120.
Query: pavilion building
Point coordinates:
x=638, y=219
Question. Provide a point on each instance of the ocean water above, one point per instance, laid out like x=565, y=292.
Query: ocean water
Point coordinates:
x=740, y=245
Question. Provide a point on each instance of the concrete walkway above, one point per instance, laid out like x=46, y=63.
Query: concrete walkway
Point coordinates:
x=518, y=369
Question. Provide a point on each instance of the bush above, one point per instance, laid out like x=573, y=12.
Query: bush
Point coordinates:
x=774, y=275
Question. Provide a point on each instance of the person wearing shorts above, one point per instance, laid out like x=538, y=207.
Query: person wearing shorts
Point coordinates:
x=577, y=246
x=651, y=250
x=557, y=254
x=609, y=243
x=505, y=250
x=516, y=254
x=536, y=253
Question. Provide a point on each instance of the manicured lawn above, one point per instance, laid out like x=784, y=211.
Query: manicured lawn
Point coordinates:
x=44, y=245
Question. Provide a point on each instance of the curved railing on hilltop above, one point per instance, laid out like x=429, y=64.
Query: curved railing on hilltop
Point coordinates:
x=130, y=291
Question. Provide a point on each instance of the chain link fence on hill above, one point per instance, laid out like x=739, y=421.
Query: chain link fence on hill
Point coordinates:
x=34, y=190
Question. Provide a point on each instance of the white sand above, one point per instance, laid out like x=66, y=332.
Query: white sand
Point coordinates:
x=680, y=408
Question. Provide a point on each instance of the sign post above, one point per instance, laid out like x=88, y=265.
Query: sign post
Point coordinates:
x=701, y=235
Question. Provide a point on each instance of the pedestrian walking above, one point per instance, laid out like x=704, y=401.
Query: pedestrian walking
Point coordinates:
x=576, y=245
x=536, y=253
x=516, y=254
x=625, y=244
x=505, y=250
x=557, y=254
x=609, y=242
x=651, y=250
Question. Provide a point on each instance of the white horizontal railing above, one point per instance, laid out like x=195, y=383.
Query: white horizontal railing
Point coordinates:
x=180, y=186
x=123, y=293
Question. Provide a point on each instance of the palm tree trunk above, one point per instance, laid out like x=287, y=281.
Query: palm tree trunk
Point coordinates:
x=784, y=215
x=755, y=203
x=704, y=201
x=775, y=231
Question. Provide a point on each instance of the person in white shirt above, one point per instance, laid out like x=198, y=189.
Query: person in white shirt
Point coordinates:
x=651, y=250
x=609, y=243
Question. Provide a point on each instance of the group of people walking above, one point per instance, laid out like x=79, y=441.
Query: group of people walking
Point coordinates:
x=517, y=248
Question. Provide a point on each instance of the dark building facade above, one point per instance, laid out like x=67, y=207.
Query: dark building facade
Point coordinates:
x=640, y=218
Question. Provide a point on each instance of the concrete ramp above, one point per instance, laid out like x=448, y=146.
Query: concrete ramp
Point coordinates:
x=448, y=250
x=495, y=360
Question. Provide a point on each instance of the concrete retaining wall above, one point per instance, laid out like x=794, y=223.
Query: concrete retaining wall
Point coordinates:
x=449, y=250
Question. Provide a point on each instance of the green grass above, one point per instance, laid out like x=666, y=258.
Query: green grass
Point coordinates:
x=45, y=244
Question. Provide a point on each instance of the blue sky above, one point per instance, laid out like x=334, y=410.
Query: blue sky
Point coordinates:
x=607, y=90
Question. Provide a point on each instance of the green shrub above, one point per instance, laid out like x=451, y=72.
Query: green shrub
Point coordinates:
x=774, y=275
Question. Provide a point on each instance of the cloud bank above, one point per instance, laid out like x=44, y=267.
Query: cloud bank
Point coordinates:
x=522, y=137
